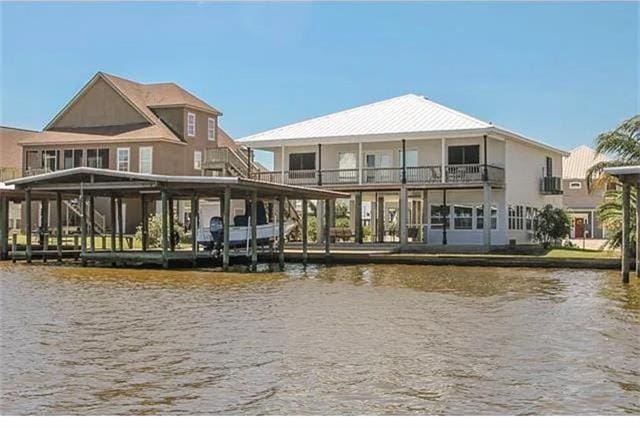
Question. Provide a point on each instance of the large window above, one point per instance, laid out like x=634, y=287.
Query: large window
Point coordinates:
x=439, y=215
x=528, y=218
x=197, y=159
x=302, y=161
x=98, y=158
x=50, y=160
x=72, y=158
x=462, y=217
x=146, y=160
x=411, y=157
x=211, y=129
x=480, y=217
x=464, y=155
x=123, y=159
x=516, y=217
x=191, y=124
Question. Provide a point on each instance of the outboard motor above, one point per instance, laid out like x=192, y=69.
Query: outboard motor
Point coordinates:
x=217, y=232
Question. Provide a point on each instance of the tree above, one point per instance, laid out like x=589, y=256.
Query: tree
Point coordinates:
x=155, y=231
x=552, y=225
x=610, y=215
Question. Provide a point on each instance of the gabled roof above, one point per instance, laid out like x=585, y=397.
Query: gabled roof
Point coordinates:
x=579, y=161
x=405, y=116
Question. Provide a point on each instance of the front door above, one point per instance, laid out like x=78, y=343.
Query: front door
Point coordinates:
x=579, y=228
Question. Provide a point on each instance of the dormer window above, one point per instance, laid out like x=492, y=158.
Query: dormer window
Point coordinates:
x=191, y=124
x=211, y=129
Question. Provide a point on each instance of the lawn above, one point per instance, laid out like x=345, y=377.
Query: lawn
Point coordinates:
x=579, y=253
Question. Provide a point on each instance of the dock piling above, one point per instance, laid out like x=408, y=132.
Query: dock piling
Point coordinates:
x=59, y=231
x=27, y=221
x=254, y=230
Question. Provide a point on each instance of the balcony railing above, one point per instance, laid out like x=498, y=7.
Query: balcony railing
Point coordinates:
x=456, y=174
x=551, y=185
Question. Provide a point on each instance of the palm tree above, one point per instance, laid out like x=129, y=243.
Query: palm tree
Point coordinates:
x=622, y=144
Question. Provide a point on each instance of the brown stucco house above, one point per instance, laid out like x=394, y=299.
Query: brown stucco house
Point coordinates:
x=119, y=124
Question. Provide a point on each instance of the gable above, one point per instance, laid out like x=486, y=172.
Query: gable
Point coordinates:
x=98, y=105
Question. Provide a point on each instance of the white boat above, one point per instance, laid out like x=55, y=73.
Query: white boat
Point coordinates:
x=240, y=236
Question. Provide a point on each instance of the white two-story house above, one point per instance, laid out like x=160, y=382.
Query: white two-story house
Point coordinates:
x=420, y=172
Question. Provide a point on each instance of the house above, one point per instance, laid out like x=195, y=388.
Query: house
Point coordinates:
x=420, y=171
x=578, y=200
x=119, y=124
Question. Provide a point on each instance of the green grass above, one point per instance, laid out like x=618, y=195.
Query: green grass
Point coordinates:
x=579, y=253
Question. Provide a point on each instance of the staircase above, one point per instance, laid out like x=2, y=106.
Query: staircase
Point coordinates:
x=225, y=161
x=100, y=220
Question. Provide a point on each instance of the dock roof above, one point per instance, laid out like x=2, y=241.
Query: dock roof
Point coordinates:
x=103, y=182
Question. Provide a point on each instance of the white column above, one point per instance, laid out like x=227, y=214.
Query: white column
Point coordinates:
x=282, y=163
x=359, y=163
x=443, y=159
x=404, y=235
x=487, y=216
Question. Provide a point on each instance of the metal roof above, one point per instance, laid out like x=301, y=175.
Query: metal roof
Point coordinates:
x=579, y=161
x=100, y=181
x=407, y=116
x=623, y=170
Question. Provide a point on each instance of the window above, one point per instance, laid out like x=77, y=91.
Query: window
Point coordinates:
x=197, y=159
x=549, y=169
x=439, y=215
x=191, y=124
x=211, y=129
x=98, y=158
x=123, y=159
x=72, y=158
x=302, y=161
x=347, y=165
x=480, y=217
x=464, y=155
x=575, y=185
x=516, y=217
x=462, y=217
x=411, y=157
x=146, y=160
x=528, y=218
x=50, y=160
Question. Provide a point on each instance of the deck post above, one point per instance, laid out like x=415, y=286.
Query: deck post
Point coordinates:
x=425, y=216
x=327, y=238
x=486, y=216
x=637, y=229
x=305, y=231
x=4, y=228
x=626, y=190
x=404, y=215
x=226, y=219
x=165, y=232
x=44, y=227
x=59, y=234
x=113, y=224
x=92, y=224
x=83, y=228
x=445, y=217
x=357, y=215
x=281, y=231
x=404, y=161
x=380, y=221
x=194, y=228
x=443, y=160
x=254, y=230
x=145, y=222
x=320, y=222
x=172, y=240
x=120, y=225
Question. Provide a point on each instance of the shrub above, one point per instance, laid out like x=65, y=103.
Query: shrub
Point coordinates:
x=552, y=225
x=155, y=231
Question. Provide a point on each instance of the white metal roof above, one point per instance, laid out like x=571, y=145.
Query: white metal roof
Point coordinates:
x=579, y=161
x=408, y=116
x=623, y=170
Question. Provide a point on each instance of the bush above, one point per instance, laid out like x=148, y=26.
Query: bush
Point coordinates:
x=552, y=225
x=155, y=231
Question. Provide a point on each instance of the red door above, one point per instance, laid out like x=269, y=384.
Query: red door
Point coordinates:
x=579, y=228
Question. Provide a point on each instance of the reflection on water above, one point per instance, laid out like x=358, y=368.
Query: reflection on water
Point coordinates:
x=373, y=339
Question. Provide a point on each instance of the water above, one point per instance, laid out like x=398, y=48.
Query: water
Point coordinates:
x=340, y=340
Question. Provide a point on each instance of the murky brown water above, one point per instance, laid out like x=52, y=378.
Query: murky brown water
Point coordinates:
x=338, y=340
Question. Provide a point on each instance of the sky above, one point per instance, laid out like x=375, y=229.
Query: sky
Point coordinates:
x=558, y=72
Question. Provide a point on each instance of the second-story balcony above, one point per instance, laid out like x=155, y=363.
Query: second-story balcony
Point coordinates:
x=433, y=174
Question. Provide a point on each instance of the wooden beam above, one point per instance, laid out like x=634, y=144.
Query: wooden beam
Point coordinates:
x=226, y=220
x=486, y=216
x=113, y=224
x=626, y=217
x=4, y=228
x=380, y=222
x=165, y=230
x=327, y=224
x=145, y=222
x=445, y=217
x=27, y=201
x=254, y=230
x=425, y=216
x=281, y=231
x=357, y=215
x=59, y=215
x=404, y=216
x=92, y=224
x=120, y=225
x=194, y=227
x=83, y=228
x=305, y=231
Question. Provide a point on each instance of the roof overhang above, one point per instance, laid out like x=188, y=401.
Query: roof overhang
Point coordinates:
x=101, y=141
x=104, y=182
x=493, y=131
x=625, y=173
x=186, y=106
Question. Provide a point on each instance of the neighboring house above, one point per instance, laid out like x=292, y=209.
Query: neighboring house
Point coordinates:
x=11, y=164
x=454, y=165
x=119, y=124
x=578, y=201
